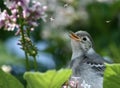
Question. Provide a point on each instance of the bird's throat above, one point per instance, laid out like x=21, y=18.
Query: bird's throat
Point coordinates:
x=76, y=54
x=79, y=53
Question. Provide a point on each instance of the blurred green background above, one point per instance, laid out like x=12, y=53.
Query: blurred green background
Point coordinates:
x=101, y=18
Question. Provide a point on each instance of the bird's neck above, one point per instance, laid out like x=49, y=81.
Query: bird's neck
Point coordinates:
x=79, y=52
x=91, y=51
x=76, y=53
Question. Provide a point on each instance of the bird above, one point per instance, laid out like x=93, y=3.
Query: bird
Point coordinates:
x=86, y=64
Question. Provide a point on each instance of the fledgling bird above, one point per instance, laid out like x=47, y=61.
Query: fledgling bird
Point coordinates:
x=87, y=66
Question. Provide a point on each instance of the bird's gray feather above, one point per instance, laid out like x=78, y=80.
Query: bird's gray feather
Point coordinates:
x=94, y=62
x=86, y=63
x=86, y=68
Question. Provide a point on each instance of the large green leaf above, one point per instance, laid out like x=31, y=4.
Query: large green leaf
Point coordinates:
x=112, y=76
x=49, y=79
x=8, y=81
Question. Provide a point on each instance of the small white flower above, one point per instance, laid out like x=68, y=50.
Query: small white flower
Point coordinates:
x=25, y=13
x=14, y=11
x=3, y=15
x=85, y=85
x=64, y=87
x=32, y=29
x=6, y=68
x=14, y=19
x=72, y=83
x=9, y=3
x=19, y=3
x=44, y=8
x=11, y=27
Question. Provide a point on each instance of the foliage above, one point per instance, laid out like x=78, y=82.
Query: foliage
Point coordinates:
x=8, y=81
x=112, y=76
x=100, y=19
x=50, y=79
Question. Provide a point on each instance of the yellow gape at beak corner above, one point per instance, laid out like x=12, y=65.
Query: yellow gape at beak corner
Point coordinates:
x=74, y=36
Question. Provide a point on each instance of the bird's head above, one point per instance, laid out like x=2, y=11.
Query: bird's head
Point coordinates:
x=81, y=41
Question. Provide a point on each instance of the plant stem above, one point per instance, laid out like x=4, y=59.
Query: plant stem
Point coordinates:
x=28, y=33
x=35, y=64
x=27, y=62
x=26, y=56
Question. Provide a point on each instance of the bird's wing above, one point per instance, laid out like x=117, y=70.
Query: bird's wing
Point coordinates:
x=95, y=61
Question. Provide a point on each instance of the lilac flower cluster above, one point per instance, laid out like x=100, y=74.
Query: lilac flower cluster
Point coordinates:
x=22, y=12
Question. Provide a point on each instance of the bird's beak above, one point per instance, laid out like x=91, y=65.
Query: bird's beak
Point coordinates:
x=74, y=36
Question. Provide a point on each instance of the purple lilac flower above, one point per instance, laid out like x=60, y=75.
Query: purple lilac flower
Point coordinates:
x=31, y=12
x=3, y=16
x=15, y=3
x=34, y=12
x=7, y=21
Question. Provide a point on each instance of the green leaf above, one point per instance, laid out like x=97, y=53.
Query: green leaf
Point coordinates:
x=49, y=79
x=8, y=81
x=112, y=76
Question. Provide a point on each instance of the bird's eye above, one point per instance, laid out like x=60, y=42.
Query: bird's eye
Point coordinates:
x=84, y=39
